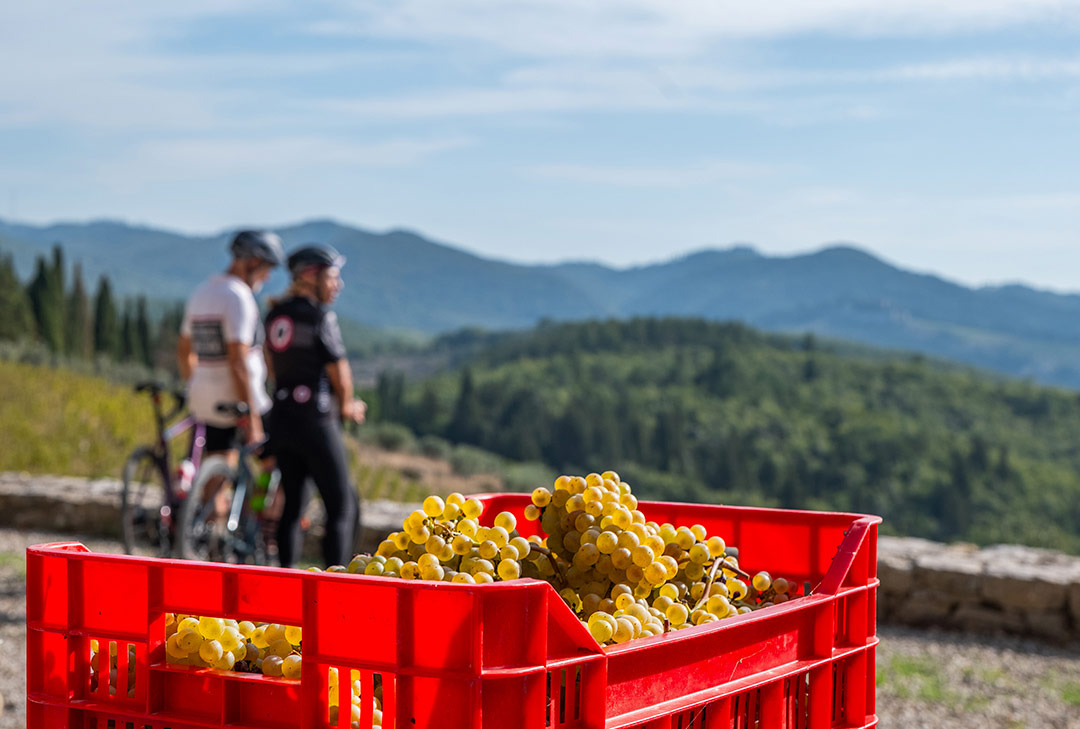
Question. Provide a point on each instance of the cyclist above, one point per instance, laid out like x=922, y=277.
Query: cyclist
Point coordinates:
x=220, y=348
x=313, y=392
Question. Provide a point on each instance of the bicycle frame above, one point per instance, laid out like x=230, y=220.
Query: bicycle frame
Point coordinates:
x=167, y=433
x=240, y=488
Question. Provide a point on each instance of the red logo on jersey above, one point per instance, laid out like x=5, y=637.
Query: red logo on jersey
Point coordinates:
x=280, y=333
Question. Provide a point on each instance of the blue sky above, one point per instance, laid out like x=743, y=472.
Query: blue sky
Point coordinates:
x=942, y=136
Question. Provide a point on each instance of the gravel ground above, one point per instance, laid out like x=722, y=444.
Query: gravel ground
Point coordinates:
x=929, y=680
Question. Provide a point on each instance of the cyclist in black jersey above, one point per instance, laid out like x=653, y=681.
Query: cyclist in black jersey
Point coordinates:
x=313, y=393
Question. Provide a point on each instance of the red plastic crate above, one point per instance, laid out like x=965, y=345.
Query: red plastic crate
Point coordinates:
x=496, y=656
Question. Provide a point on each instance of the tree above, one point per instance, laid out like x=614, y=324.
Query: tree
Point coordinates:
x=78, y=329
x=106, y=325
x=130, y=346
x=46, y=296
x=466, y=425
x=390, y=393
x=16, y=315
x=144, y=343
x=669, y=440
x=425, y=417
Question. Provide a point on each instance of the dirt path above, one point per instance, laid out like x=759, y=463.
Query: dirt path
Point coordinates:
x=925, y=679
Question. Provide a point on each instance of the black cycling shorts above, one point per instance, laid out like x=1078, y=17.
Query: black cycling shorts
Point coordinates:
x=219, y=440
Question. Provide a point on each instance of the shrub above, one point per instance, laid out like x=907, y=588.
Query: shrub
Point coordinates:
x=394, y=437
x=433, y=446
x=527, y=476
x=467, y=460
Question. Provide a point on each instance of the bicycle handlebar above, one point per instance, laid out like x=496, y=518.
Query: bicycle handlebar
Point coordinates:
x=155, y=388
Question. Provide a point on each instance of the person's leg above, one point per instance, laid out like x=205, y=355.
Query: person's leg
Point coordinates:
x=293, y=470
x=220, y=442
x=331, y=475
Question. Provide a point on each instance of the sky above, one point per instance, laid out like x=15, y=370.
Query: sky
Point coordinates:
x=942, y=136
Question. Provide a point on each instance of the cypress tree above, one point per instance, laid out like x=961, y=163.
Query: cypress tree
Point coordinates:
x=129, y=337
x=78, y=328
x=16, y=315
x=466, y=425
x=47, y=302
x=143, y=339
x=58, y=289
x=390, y=394
x=106, y=326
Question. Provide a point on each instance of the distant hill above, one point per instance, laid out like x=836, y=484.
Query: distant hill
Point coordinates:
x=403, y=281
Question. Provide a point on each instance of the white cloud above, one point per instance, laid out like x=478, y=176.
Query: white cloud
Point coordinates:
x=671, y=28
x=211, y=158
x=1005, y=68
x=690, y=175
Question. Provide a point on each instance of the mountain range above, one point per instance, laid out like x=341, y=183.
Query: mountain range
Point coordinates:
x=403, y=281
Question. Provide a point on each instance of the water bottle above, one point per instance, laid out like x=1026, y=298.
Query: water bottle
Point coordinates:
x=258, y=497
x=185, y=475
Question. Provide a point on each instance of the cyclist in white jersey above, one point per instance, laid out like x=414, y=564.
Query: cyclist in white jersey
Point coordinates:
x=220, y=349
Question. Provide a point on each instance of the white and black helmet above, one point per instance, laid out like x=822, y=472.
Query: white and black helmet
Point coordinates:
x=320, y=256
x=261, y=244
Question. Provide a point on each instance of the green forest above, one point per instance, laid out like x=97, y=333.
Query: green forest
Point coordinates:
x=54, y=311
x=716, y=412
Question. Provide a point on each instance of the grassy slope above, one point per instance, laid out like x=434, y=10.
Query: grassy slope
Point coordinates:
x=60, y=422
x=55, y=421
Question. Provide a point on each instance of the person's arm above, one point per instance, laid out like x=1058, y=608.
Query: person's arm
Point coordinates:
x=269, y=365
x=338, y=370
x=241, y=320
x=186, y=359
x=241, y=379
x=340, y=375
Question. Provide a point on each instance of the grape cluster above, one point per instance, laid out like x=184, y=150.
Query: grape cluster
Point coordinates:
x=627, y=577
x=227, y=645
x=444, y=541
x=267, y=648
x=355, y=710
x=97, y=670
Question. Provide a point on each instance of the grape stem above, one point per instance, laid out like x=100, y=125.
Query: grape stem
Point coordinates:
x=712, y=578
x=728, y=566
x=554, y=562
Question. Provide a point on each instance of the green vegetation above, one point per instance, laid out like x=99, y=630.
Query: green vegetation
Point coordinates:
x=921, y=678
x=1070, y=694
x=61, y=318
x=57, y=421
x=698, y=411
x=14, y=562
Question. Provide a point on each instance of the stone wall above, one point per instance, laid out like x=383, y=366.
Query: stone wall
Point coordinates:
x=998, y=589
x=91, y=507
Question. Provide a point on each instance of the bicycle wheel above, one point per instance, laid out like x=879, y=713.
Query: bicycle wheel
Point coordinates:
x=202, y=532
x=141, y=499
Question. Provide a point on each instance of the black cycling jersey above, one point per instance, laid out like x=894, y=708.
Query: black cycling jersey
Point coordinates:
x=302, y=338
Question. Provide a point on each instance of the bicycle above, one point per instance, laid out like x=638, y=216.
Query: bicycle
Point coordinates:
x=237, y=533
x=149, y=467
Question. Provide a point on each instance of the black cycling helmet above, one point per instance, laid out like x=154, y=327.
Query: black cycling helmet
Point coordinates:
x=321, y=256
x=261, y=244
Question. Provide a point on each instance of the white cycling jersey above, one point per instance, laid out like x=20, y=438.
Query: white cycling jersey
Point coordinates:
x=220, y=311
